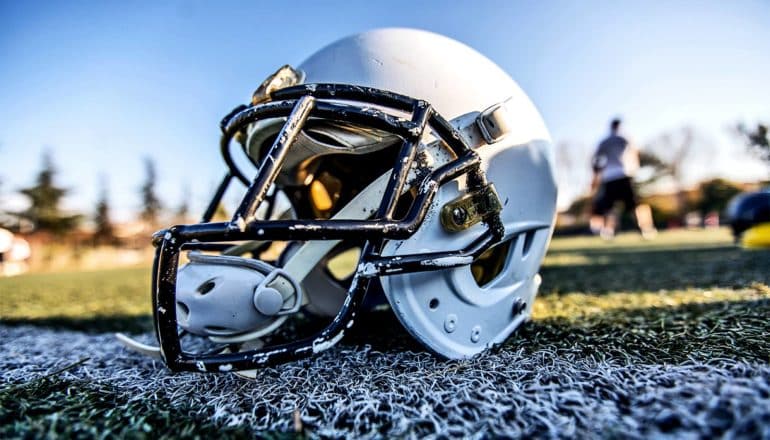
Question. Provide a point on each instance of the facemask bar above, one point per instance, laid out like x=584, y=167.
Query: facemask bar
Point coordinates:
x=298, y=104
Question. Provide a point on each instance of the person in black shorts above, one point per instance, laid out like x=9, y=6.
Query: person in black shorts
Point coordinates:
x=614, y=163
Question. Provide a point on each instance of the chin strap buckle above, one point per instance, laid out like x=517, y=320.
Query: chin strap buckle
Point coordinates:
x=470, y=208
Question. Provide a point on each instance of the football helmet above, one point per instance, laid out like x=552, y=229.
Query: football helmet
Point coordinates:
x=749, y=217
x=395, y=164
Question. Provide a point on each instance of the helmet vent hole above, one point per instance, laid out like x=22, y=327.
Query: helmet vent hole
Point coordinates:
x=433, y=304
x=206, y=287
x=491, y=263
x=529, y=237
x=182, y=311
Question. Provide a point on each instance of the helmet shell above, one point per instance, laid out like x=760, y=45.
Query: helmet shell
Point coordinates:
x=747, y=210
x=446, y=309
x=757, y=237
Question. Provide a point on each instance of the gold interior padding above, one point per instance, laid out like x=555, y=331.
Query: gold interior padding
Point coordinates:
x=324, y=193
x=491, y=263
x=343, y=265
x=322, y=201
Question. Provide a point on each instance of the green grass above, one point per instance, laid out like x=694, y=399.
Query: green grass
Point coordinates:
x=686, y=296
x=99, y=301
x=581, y=276
x=52, y=407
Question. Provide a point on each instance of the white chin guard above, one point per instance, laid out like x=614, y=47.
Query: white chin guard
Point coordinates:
x=233, y=299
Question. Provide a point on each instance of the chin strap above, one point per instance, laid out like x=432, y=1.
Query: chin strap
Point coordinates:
x=478, y=128
x=134, y=345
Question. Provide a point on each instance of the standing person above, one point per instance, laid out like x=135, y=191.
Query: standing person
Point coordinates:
x=615, y=163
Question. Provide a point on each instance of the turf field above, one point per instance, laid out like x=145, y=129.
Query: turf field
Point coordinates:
x=629, y=338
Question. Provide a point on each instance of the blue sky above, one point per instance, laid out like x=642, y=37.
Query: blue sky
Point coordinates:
x=102, y=84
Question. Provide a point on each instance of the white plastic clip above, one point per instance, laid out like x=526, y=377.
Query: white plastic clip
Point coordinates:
x=494, y=122
x=263, y=295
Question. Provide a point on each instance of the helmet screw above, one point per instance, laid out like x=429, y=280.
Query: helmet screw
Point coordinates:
x=519, y=306
x=475, y=334
x=450, y=323
x=459, y=215
x=268, y=301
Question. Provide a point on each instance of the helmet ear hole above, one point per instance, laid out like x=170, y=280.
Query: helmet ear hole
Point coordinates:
x=182, y=311
x=492, y=262
x=529, y=237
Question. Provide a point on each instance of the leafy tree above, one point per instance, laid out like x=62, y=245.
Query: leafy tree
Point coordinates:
x=672, y=151
x=45, y=197
x=151, y=205
x=104, y=232
x=673, y=154
x=757, y=140
x=715, y=194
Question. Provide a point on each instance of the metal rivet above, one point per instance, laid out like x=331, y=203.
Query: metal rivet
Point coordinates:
x=268, y=301
x=459, y=215
x=519, y=306
x=450, y=323
x=476, y=333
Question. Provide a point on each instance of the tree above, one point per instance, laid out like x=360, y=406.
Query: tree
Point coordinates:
x=573, y=170
x=104, y=232
x=757, y=140
x=183, y=211
x=151, y=206
x=672, y=150
x=656, y=166
x=715, y=194
x=44, y=198
x=676, y=153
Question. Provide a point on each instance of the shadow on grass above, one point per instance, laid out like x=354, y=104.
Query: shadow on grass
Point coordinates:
x=381, y=329
x=736, y=330
x=97, y=324
x=728, y=330
x=619, y=270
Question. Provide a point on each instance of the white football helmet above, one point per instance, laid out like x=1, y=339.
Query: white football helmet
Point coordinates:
x=395, y=161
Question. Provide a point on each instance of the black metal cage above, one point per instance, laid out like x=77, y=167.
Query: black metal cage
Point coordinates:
x=297, y=104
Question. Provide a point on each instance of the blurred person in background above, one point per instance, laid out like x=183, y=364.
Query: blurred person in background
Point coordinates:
x=615, y=162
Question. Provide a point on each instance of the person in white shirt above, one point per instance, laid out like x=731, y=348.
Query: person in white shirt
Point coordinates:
x=614, y=163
